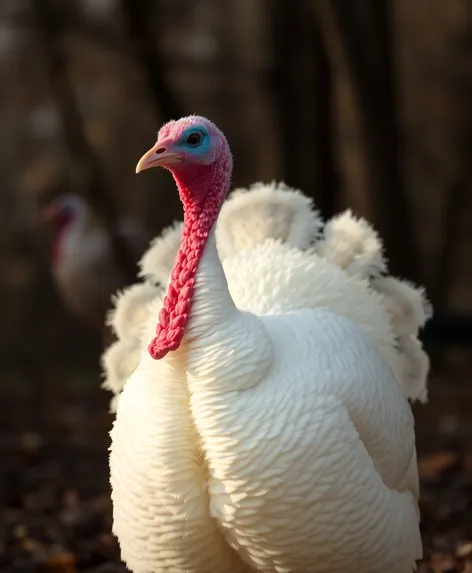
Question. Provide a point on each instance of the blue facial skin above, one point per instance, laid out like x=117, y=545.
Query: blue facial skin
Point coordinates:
x=202, y=147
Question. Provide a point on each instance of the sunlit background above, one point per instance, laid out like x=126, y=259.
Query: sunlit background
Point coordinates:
x=363, y=104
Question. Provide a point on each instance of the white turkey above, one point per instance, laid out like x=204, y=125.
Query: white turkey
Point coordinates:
x=265, y=426
x=82, y=262
x=249, y=217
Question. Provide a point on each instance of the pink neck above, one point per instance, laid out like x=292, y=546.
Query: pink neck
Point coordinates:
x=201, y=196
x=62, y=224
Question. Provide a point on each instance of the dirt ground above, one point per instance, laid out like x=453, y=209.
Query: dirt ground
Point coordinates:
x=56, y=512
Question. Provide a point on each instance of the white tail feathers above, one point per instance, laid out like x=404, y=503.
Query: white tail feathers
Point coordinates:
x=415, y=363
x=353, y=245
x=406, y=304
x=131, y=309
x=118, y=362
x=408, y=310
x=250, y=216
x=128, y=321
x=157, y=262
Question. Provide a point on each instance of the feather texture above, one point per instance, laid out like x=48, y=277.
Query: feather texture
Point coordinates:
x=250, y=216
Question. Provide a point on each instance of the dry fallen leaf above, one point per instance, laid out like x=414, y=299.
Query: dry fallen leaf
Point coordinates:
x=434, y=464
x=464, y=550
x=61, y=563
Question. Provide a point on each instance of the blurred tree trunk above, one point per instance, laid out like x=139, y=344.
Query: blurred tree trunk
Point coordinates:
x=458, y=196
x=363, y=30
x=326, y=181
x=301, y=85
x=141, y=17
x=228, y=93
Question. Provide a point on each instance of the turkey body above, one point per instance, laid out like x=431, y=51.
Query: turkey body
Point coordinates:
x=267, y=425
x=86, y=276
x=83, y=265
x=327, y=421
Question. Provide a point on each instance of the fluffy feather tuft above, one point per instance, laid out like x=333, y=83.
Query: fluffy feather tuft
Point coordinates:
x=406, y=304
x=274, y=210
x=118, y=362
x=130, y=310
x=415, y=363
x=158, y=261
x=121, y=358
x=353, y=245
x=301, y=279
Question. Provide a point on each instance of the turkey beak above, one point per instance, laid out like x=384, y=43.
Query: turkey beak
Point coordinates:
x=161, y=155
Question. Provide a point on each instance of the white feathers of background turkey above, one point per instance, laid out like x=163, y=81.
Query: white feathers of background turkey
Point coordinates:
x=85, y=272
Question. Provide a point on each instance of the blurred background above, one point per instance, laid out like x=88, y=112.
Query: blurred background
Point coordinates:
x=363, y=104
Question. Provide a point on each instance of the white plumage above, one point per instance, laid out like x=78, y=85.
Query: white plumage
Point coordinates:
x=156, y=264
x=212, y=444
x=248, y=218
x=271, y=210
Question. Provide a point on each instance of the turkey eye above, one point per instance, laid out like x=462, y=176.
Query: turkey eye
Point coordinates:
x=194, y=139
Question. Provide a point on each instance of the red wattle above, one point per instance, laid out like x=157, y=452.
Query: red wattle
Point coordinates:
x=178, y=300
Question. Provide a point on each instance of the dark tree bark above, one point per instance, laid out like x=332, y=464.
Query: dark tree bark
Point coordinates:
x=364, y=33
x=139, y=15
x=326, y=170
x=285, y=85
x=302, y=88
x=455, y=203
x=445, y=330
x=458, y=197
